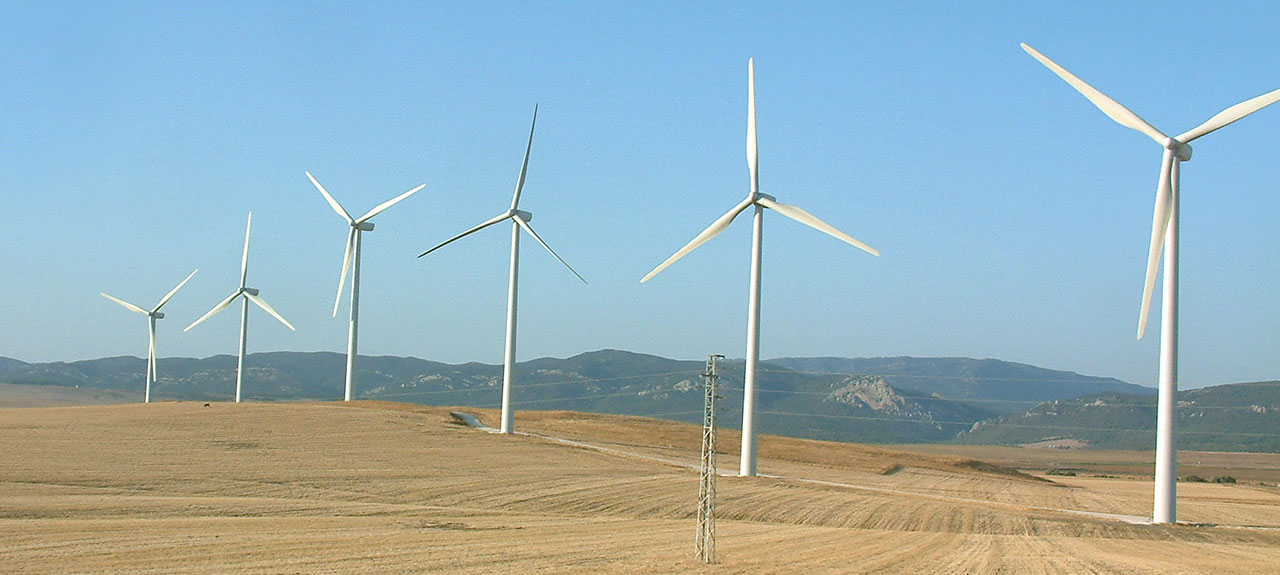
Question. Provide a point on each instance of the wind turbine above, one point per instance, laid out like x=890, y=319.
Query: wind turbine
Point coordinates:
x=351, y=260
x=519, y=220
x=152, y=316
x=1164, y=237
x=759, y=201
x=250, y=295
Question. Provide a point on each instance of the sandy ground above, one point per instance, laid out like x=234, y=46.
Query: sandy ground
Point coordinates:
x=388, y=488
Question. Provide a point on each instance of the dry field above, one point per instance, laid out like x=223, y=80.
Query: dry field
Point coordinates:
x=24, y=395
x=388, y=488
x=1255, y=467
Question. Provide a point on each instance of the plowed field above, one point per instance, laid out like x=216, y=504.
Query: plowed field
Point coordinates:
x=388, y=488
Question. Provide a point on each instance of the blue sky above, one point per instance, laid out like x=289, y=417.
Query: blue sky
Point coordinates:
x=1013, y=216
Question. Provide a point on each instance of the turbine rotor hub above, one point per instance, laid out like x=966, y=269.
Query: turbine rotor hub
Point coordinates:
x=1179, y=149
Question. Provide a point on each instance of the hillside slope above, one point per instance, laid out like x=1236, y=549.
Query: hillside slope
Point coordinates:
x=997, y=385
x=822, y=406
x=1232, y=417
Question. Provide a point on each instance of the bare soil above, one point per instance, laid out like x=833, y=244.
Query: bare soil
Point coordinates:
x=372, y=487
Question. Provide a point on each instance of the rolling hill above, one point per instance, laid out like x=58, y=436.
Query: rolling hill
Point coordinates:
x=875, y=400
x=834, y=403
x=1232, y=417
x=8, y=364
x=997, y=385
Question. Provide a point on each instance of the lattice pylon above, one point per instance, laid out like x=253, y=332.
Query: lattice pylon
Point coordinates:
x=705, y=541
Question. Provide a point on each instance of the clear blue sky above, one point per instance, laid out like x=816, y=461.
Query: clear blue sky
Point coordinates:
x=1013, y=216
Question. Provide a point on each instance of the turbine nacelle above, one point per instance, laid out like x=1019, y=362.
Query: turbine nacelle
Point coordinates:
x=363, y=226
x=756, y=197
x=157, y=314
x=1179, y=149
x=522, y=215
x=250, y=291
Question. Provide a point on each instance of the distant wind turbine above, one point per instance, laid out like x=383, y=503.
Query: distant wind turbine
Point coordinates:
x=759, y=201
x=519, y=220
x=152, y=316
x=1164, y=236
x=351, y=260
x=250, y=295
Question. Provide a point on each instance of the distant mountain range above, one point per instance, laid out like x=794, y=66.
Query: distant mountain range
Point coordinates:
x=1232, y=417
x=997, y=385
x=877, y=400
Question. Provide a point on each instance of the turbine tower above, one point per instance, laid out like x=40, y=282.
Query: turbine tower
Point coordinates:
x=152, y=316
x=759, y=201
x=1164, y=237
x=351, y=260
x=519, y=220
x=250, y=295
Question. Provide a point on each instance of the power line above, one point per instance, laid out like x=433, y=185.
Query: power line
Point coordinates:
x=799, y=392
x=1078, y=379
x=1023, y=401
x=1001, y=424
x=529, y=385
x=981, y=423
x=575, y=398
x=984, y=423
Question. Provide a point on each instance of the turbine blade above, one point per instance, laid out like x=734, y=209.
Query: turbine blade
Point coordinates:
x=151, y=350
x=244, y=259
x=346, y=265
x=712, y=231
x=126, y=304
x=1159, y=223
x=528, y=228
x=332, y=202
x=753, y=155
x=391, y=202
x=168, y=296
x=1230, y=115
x=217, y=308
x=487, y=223
x=1111, y=108
x=263, y=304
x=810, y=220
x=515, y=199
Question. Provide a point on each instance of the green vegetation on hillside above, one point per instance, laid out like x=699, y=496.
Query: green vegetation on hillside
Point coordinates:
x=902, y=400
x=1233, y=417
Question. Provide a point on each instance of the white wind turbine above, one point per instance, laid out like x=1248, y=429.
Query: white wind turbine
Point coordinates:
x=351, y=260
x=152, y=316
x=519, y=220
x=1164, y=237
x=250, y=295
x=759, y=201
